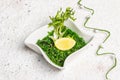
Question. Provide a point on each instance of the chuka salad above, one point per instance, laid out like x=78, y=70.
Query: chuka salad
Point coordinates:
x=61, y=41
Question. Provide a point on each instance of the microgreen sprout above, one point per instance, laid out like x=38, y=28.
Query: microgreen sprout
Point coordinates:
x=59, y=19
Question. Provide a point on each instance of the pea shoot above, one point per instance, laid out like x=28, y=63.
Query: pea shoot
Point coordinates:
x=102, y=30
x=59, y=19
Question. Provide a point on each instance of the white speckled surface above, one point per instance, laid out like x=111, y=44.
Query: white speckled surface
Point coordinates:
x=18, y=18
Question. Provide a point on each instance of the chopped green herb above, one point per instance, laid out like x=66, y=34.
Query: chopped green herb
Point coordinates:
x=58, y=56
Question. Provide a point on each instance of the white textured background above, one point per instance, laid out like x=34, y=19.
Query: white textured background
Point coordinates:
x=18, y=18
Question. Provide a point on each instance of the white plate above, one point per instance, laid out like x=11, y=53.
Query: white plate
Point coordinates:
x=43, y=31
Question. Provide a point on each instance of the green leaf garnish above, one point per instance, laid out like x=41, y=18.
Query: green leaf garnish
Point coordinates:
x=59, y=19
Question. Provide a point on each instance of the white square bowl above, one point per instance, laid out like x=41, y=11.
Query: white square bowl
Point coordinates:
x=43, y=31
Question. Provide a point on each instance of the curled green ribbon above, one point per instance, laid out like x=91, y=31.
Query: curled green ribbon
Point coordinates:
x=100, y=46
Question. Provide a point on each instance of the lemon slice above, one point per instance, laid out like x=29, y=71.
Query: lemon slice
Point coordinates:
x=65, y=43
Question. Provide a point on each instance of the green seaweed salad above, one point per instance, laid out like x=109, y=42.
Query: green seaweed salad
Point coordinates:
x=47, y=44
